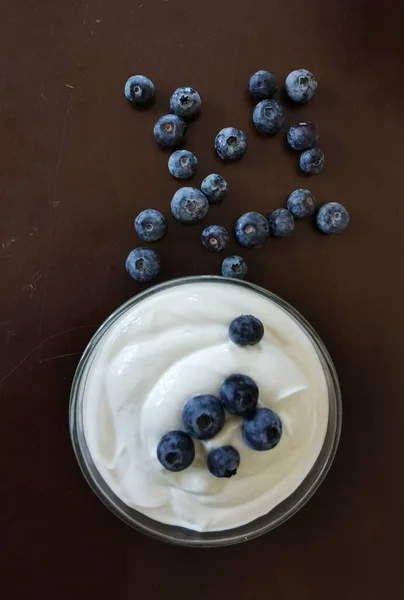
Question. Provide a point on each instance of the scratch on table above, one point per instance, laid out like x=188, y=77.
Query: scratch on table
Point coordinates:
x=31, y=352
x=59, y=356
x=31, y=287
x=54, y=204
x=8, y=243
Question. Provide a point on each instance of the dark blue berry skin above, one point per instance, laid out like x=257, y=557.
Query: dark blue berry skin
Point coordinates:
x=332, y=218
x=231, y=143
x=268, y=116
x=302, y=136
x=312, y=161
x=214, y=187
x=300, y=85
x=263, y=430
x=235, y=267
x=301, y=203
x=252, y=230
x=263, y=85
x=182, y=164
x=143, y=264
x=246, y=330
x=223, y=461
x=176, y=451
x=170, y=131
x=281, y=223
x=215, y=238
x=203, y=416
x=186, y=103
x=239, y=395
x=189, y=205
x=139, y=90
x=150, y=225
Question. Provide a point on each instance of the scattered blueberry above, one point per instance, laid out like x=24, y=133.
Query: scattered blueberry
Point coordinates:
x=150, y=225
x=312, y=161
x=263, y=431
x=301, y=203
x=231, y=143
x=186, y=103
x=223, y=461
x=246, y=330
x=252, y=230
x=281, y=223
x=170, y=131
x=239, y=395
x=143, y=264
x=300, y=85
x=214, y=187
x=215, y=238
x=176, y=451
x=262, y=85
x=189, y=205
x=235, y=267
x=182, y=164
x=302, y=136
x=332, y=218
x=139, y=90
x=203, y=416
x=268, y=116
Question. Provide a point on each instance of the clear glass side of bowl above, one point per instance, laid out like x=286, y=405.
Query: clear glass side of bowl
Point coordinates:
x=178, y=535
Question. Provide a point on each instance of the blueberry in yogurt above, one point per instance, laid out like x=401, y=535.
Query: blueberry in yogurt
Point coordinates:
x=176, y=451
x=223, y=461
x=246, y=330
x=203, y=416
x=263, y=431
x=239, y=395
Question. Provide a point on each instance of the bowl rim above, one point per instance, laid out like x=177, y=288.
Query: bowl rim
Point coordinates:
x=178, y=535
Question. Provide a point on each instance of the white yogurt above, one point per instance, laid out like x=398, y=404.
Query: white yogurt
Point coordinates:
x=171, y=346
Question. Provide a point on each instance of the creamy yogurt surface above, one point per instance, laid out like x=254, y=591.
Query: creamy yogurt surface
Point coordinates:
x=172, y=345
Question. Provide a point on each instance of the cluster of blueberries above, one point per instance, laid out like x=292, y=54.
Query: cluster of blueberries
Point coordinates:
x=190, y=205
x=203, y=416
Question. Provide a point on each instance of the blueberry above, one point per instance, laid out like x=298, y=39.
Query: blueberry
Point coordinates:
x=268, y=116
x=170, y=131
x=239, y=395
x=246, y=330
x=139, y=90
x=223, y=461
x=281, y=222
x=312, y=161
x=301, y=203
x=300, y=85
x=235, y=267
x=332, y=218
x=203, y=416
x=150, y=225
x=143, y=264
x=252, y=230
x=214, y=187
x=186, y=103
x=302, y=136
x=182, y=164
x=215, y=238
x=263, y=431
x=262, y=85
x=176, y=451
x=231, y=143
x=189, y=205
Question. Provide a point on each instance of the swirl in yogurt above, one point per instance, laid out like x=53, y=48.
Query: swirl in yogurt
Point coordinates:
x=173, y=345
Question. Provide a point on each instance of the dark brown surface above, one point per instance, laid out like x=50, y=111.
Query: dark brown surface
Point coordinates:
x=77, y=164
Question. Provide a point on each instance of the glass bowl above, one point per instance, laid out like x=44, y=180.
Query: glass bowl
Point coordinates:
x=178, y=535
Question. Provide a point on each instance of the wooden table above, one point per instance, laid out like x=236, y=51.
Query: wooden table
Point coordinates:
x=77, y=165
